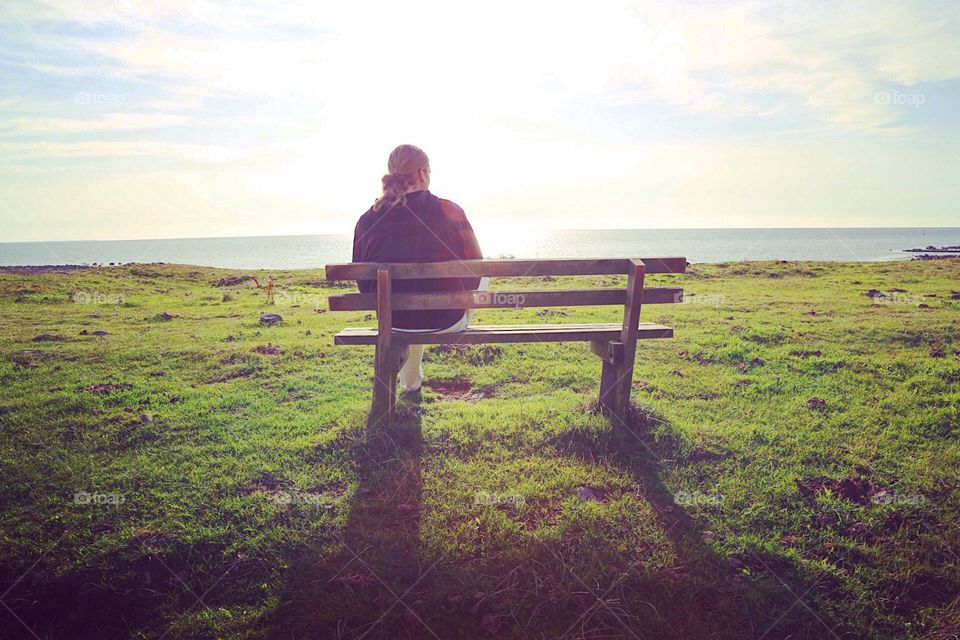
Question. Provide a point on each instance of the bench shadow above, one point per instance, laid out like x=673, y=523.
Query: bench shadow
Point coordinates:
x=362, y=583
x=706, y=595
x=376, y=580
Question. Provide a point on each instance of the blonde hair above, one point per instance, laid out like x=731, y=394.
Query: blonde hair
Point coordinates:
x=402, y=167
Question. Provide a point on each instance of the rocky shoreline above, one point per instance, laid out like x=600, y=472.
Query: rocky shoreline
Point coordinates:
x=953, y=248
x=936, y=256
x=29, y=270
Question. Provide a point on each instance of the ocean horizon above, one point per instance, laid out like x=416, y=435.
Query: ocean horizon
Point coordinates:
x=848, y=244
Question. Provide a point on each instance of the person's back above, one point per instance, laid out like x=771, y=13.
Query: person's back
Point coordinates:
x=410, y=224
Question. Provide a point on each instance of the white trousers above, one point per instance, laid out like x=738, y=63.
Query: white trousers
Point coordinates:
x=411, y=360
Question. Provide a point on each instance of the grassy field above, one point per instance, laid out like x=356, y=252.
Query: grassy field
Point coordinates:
x=791, y=469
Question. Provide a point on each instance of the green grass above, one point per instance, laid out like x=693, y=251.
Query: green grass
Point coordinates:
x=226, y=493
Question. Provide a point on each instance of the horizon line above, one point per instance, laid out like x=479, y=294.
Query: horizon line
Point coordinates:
x=551, y=229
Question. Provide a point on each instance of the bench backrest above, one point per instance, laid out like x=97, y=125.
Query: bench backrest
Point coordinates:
x=385, y=273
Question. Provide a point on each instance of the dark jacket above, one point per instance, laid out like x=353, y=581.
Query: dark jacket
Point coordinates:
x=424, y=228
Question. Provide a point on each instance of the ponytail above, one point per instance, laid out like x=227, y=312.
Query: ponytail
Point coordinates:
x=402, y=167
x=395, y=187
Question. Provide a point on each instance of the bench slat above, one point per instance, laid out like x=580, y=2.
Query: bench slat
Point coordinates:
x=503, y=299
x=508, y=333
x=503, y=268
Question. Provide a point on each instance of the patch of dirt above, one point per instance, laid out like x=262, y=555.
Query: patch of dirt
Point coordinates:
x=267, y=350
x=232, y=281
x=163, y=317
x=475, y=355
x=150, y=540
x=858, y=490
x=819, y=553
x=826, y=520
x=700, y=357
x=806, y=354
x=107, y=387
x=589, y=493
x=268, y=482
x=789, y=540
x=859, y=531
x=553, y=313
x=747, y=366
x=743, y=383
x=234, y=375
x=49, y=337
x=816, y=403
x=700, y=454
x=27, y=359
x=458, y=390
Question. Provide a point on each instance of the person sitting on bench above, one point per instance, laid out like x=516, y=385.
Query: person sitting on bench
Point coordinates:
x=409, y=224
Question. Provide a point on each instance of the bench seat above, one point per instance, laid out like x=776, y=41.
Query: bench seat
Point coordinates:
x=484, y=334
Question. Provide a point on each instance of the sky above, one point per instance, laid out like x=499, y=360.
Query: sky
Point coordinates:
x=139, y=119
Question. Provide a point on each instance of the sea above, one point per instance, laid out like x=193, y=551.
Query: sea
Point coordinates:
x=697, y=245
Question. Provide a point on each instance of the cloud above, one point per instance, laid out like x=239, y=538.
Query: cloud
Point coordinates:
x=18, y=151
x=830, y=58
x=110, y=122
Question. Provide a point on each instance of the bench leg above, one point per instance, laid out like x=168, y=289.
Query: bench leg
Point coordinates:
x=611, y=377
x=608, y=388
x=386, y=367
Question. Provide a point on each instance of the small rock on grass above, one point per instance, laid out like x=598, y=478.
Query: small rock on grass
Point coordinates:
x=270, y=318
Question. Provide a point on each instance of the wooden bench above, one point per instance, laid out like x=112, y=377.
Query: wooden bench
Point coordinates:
x=615, y=343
